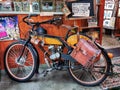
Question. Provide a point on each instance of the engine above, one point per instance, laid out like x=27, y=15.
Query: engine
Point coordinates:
x=54, y=52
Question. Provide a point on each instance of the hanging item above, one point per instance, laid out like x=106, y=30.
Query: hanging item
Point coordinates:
x=66, y=10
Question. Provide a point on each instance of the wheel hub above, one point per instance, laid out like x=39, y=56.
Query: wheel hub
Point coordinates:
x=20, y=61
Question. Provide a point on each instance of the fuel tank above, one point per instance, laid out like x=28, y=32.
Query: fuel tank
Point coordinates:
x=72, y=40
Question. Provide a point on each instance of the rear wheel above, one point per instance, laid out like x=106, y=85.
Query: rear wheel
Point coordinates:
x=90, y=76
x=20, y=64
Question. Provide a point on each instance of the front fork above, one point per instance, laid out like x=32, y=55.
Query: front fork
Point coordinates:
x=22, y=51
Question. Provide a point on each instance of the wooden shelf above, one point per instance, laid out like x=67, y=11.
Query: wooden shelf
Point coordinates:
x=41, y=13
x=78, y=18
x=90, y=27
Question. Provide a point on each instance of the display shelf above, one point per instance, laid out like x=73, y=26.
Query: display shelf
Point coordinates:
x=78, y=18
x=49, y=13
x=90, y=27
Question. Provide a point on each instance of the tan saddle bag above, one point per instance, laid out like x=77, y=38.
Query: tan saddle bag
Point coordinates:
x=85, y=52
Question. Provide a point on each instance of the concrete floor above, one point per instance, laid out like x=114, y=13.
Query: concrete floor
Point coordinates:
x=56, y=80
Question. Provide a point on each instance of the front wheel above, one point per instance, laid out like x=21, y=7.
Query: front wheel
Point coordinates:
x=91, y=76
x=20, y=62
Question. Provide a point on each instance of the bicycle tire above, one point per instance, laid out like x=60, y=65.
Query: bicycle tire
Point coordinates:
x=87, y=78
x=24, y=69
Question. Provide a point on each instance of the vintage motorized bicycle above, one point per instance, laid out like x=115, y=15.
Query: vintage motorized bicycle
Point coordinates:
x=22, y=59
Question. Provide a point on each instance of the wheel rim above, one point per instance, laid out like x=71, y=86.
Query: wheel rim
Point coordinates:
x=22, y=69
x=95, y=75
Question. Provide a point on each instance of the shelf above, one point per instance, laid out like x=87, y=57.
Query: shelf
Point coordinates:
x=89, y=27
x=41, y=13
x=78, y=18
x=109, y=27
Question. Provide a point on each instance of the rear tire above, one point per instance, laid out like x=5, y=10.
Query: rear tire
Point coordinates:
x=24, y=69
x=92, y=76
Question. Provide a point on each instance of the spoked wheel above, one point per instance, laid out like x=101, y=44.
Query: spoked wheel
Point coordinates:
x=20, y=62
x=90, y=76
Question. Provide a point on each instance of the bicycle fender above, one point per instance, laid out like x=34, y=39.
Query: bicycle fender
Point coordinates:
x=105, y=52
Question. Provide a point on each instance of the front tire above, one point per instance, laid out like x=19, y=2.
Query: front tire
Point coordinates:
x=23, y=69
x=90, y=76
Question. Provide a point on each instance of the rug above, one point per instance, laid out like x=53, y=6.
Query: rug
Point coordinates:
x=112, y=81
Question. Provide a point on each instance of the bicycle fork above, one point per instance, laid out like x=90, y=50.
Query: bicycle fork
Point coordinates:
x=22, y=51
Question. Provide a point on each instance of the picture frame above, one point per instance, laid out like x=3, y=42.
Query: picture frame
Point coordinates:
x=47, y=5
x=58, y=5
x=17, y=6
x=92, y=22
x=106, y=23
x=6, y=6
x=25, y=6
x=36, y=6
x=112, y=22
x=108, y=14
x=75, y=9
x=109, y=6
x=81, y=9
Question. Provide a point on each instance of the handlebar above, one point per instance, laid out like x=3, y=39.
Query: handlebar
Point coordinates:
x=28, y=17
x=51, y=21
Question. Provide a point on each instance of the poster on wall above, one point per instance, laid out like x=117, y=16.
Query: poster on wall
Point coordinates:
x=9, y=28
x=81, y=9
